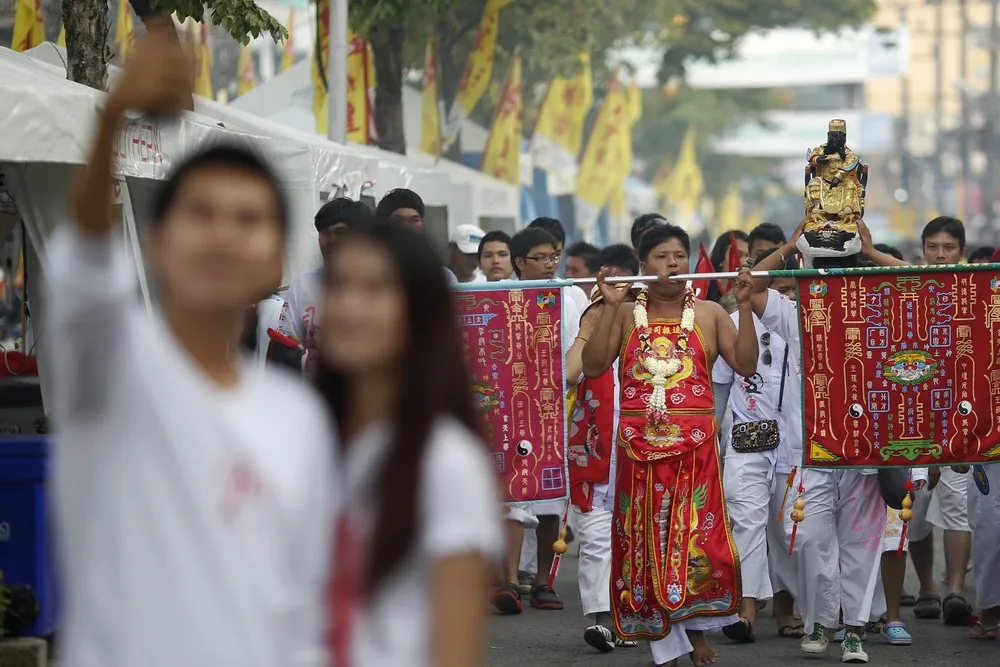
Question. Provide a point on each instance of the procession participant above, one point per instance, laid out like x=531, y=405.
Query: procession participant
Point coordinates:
x=592, y=455
x=463, y=253
x=720, y=257
x=887, y=249
x=684, y=572
x=984, y=519
x=640, y=226
x=419, y=523
x=946, y=506
x=301, y=319
x=981, y=255
x=184, y=509
x=576, y=294
x=402, y=206
x=535, y=255
x=580, y=258
x=494, y=257
x=763, y=237
x=764, y=444
x=836, y=547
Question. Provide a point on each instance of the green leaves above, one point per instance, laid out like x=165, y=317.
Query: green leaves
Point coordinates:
x=699, y=496
x=242, y=19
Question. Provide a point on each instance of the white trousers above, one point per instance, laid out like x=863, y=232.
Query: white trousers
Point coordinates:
x=838, y=545
x=890, y=542
x=946, y=506
x=750, y=484
x=677, y=643
x=984, y=519
x=593, y=534
x=783, y=566
x=529, y=545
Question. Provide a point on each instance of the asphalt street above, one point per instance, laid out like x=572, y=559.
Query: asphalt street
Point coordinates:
x=537, y=638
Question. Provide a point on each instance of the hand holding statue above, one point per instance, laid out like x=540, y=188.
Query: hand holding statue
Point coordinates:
x=867, y=245
x=613, y=295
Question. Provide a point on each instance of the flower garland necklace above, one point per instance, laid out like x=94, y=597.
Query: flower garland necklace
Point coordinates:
x=661, y=369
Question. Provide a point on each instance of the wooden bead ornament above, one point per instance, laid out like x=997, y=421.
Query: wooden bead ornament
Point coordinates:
x=798, y=514
x=563, y=533
x=905, y=514
x=559, y=546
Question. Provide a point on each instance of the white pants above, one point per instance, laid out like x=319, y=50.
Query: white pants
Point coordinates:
x=984, y=519
x=838, y=545
x=783, y=566
x=529, y=546
x=946, y=506
x=677, y=643
x=890, y=542
x=593, y=533
x=749, y=483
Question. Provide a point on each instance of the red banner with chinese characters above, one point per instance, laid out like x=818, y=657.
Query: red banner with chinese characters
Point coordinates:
x=901, y=369
x=512, y=343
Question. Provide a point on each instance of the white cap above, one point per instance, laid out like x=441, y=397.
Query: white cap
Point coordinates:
x=467, y=238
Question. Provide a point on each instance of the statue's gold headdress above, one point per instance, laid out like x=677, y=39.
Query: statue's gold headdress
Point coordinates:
x=838, y=125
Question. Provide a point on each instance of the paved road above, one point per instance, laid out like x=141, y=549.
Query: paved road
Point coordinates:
x=555, y=638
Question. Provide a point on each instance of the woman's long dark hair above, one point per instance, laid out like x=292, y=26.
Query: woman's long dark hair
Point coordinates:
x=434, y=383
x=720, y=253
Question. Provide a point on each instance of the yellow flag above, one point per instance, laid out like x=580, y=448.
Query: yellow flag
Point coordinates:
x=479, y=67
x=320, y=51
x=360, y=89
x=607, y=159
x=558, y=135
x=502, y=154
x=288, y=49
x=29, y=28
x=685, y=184
x=430, y=107
x=245, y=72
x=203, y=65
x=635, y=102
x=124, y=32
x=62, y=38
x=730, y=211
x=616, y=207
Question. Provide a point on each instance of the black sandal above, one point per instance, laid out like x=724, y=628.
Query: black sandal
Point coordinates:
x=956, y=610
x=741, y=631
x=792, y=631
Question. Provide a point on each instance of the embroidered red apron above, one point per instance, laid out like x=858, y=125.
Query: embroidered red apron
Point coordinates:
x=673, y=556
x=591, y=438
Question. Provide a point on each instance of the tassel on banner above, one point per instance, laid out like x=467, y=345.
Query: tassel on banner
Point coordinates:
x=798, y=514
x=906, y=513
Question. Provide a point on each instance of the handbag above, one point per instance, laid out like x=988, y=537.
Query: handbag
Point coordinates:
x=764, y=435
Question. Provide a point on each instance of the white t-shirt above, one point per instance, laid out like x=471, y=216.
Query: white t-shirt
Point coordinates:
x=302, y=317
x=194, y=521
x=458, y=509
x=757, y=398
x=270, y=315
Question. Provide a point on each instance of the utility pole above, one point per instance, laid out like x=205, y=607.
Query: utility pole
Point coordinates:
x=938, y=105
x=904, y=112
x=963, y=135
x=336, y=77
x=990, y=186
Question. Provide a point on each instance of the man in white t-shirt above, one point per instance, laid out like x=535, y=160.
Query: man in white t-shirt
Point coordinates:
x=405, y=207
x=301, y=318
x=194, y=528
x=463, y=254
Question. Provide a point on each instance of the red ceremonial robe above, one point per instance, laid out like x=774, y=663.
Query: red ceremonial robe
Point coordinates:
x=591, y=438
x=673, y=556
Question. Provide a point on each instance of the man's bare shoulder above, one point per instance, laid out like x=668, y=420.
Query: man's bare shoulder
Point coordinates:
x=708, y=310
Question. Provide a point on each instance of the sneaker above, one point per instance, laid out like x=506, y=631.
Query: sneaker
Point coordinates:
x=852, y=650
x=543, y=597
x=895, y=633
x=625, y=643
x=525, y=580
x=507, y=600
x=839, y=635
x=815, y=643
x=600, y=638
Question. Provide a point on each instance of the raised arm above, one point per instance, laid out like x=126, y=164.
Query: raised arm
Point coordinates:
x=876, y=255
x=773, y=262
x=738, y=345
x=601, y=348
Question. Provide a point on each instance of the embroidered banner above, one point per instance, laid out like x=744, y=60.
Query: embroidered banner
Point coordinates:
x=900, y=368
x=513, y=344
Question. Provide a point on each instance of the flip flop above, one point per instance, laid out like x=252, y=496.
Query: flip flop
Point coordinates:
x=792, y=631
x=927, y=606
x=956, y=610
x=985, y=632
x=741, y=631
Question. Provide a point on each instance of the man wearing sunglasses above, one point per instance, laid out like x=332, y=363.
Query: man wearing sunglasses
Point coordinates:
x=758, y=455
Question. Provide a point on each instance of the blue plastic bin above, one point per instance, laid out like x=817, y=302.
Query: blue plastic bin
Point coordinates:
x=26, y=550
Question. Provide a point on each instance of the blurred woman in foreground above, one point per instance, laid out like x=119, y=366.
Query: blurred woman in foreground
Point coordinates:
x=420, y=520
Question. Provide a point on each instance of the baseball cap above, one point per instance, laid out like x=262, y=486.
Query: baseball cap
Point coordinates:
x=467, y=238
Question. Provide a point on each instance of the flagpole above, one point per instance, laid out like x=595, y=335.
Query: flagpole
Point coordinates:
x=336, y=78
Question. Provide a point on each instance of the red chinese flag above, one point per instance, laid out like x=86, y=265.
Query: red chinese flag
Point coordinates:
x=995, y=257
x=704, y=265
x=733, y=263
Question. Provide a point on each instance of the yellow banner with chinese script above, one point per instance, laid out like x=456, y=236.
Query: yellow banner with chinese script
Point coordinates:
x=502, y=154
x=607, y=160
x=29, y=28
x=124, y=31
x=430, y=104
x=558, y=137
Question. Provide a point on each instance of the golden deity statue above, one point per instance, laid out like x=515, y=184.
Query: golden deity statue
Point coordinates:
x=835, y=197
